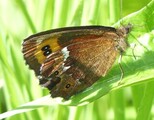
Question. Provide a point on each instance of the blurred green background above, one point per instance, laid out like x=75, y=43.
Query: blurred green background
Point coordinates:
x=18, y=85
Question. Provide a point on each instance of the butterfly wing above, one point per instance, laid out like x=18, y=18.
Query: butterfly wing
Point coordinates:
x=69, y=60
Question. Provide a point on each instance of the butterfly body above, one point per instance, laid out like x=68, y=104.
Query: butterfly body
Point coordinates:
x=68, y=60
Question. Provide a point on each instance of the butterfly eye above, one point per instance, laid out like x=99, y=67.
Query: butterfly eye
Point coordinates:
x=46, y=50
x=67, y=86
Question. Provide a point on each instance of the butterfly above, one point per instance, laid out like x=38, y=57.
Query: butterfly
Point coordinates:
x=69, y=60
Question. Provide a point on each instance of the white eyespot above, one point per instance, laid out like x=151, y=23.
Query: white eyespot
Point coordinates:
x=66, y=68
x=65, y=53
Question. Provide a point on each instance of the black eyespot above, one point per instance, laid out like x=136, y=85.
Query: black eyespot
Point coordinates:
x=46, y=50
x=67, y=86
x=56, y=73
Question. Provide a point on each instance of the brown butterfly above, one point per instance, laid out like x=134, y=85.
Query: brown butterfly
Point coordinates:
x=68, y=60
